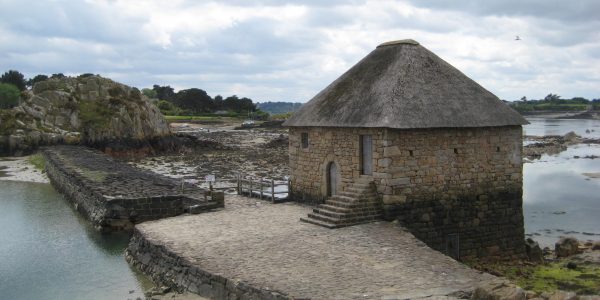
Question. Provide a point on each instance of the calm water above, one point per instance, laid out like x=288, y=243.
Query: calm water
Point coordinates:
x=47, y=251
x=542, y=126
x=558, y=198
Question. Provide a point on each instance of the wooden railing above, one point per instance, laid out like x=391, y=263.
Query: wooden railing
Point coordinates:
x=263, y=188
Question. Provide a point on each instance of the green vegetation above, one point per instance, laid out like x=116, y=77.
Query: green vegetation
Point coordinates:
x=38, y=161
x=9, y=95
x=197, y=102
x=553, y=102
x=15, y=78
x=584, y=279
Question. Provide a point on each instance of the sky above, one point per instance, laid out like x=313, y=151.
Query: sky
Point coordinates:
x=274, y=50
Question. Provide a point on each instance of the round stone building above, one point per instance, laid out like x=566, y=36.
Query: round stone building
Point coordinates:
x=405, y=136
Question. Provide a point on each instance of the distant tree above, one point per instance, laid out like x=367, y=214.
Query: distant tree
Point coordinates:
x=241, y=105
x=164, y=92
x=36, y=79
x=9, y=95
x=150, y=93
x=524, y=99
x=194, y=100
x=84, y=75
x=168, y=108
x=58, y=76
x=218, y=102
x=15, y=78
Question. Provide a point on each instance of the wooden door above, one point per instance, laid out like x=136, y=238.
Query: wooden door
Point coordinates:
x=332, y=179
x=366, y=155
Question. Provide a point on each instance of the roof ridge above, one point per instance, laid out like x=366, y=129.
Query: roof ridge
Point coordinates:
x=399, y=42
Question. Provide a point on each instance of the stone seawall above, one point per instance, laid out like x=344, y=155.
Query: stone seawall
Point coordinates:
x=489, y=226
x=170, y=269
x=114, y=195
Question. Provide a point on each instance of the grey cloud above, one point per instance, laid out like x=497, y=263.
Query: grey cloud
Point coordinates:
x=68, y=19
x=571, y=11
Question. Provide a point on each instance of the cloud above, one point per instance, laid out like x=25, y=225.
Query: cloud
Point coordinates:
x=290, y=50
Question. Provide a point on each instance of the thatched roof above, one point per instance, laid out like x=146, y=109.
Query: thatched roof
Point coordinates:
x=403, y=85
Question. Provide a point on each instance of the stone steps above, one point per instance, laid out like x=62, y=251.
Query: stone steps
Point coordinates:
x=357, y=204
x=336, y=222
x=346, y=215
x=352, y=205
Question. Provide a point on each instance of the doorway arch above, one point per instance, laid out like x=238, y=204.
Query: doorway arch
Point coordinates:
x=332, y=179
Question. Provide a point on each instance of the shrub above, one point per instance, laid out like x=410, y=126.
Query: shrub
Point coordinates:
x=9, y=95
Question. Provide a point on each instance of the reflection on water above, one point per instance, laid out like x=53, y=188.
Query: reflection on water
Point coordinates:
x=48, y=252
x=557, y=198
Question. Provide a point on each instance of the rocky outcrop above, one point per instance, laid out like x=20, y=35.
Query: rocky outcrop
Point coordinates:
x=566, y=246
x=84, y=110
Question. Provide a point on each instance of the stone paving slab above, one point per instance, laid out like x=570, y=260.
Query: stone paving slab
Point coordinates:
x=266, y=246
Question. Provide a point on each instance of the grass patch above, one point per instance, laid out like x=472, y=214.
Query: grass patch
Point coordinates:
x=549, y=277
x=38, y=161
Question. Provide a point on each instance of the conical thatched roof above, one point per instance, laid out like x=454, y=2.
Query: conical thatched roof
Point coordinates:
x=403, y=85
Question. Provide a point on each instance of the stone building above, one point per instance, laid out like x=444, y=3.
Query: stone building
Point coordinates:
x=405, y=136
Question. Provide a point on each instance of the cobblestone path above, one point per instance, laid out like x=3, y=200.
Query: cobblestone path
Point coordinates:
x=265, y=245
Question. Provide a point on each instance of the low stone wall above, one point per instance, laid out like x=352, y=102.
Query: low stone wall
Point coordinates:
x=167, y=268
x=489, y=226
x=113, y=195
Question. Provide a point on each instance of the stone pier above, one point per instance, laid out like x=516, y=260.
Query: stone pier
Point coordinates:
x=257, y=250
x=114, y=195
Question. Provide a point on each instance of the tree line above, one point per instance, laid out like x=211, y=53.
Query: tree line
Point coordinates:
x=195, y=101
x=554, y=102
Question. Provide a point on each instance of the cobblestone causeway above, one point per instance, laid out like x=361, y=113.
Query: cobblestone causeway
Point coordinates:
x=265, y=245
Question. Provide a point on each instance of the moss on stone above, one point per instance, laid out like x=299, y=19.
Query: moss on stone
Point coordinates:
x=582, y=280
x=549, y=277
x=38, y=161
x=7, y=122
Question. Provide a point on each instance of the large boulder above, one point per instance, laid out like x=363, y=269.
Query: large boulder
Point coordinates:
x=566, y=246
x=89, y=110
x=533, y=250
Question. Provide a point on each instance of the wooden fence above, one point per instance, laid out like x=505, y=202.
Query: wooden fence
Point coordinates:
x=263, y=188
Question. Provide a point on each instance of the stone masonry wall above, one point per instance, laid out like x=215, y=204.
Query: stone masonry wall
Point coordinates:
x=169, y=269
x=456, y=181
x=437, y=182
x=309, y=166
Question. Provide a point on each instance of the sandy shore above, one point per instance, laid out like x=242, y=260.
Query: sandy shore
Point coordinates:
x=19, y=169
